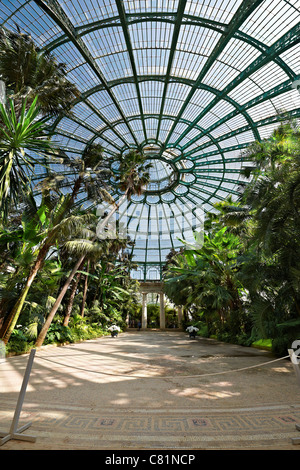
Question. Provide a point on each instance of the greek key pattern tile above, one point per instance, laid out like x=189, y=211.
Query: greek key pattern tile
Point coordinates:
x=170, y=424
x=80, y=428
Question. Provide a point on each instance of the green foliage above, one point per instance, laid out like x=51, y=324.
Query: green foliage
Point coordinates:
x=24, y=142
x=42, y=238
x=19, y=343
x=241, y=285
x=58, y=334
x=132, y=173
x=244, y=281
x=28, y=71
x=206, y=277
x=287, y=332
x=153, y=315
x=79, y=329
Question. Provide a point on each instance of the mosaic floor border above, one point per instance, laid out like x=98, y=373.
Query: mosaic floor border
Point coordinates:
x=62, y=427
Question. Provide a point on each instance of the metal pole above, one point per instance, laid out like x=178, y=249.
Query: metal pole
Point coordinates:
x=14, y=432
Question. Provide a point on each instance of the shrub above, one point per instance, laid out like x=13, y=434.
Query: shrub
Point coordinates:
x=58, y=334
x=18, y=343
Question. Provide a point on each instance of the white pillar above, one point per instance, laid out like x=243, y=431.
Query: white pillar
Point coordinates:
x=162, y=312
x=144, y=311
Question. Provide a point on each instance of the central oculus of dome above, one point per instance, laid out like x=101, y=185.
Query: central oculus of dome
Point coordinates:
x=163, y=175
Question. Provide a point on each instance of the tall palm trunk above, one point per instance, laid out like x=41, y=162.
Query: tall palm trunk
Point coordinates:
x=57, y=303
x=59, y=299
x=85, y=290
x=71, y=301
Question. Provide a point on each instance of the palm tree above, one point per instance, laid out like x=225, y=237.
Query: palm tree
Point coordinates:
x=104, y=254
x=90, y=169
x=28, y=72
x=232, y=214
x=132, y=178
x=71, y=299
x=132, y=174
x=205, y=277
x=270, y=269
x=17, y=244
x=86, y=248
x=51, y=224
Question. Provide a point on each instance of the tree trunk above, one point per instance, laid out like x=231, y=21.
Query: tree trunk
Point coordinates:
x=57, y=303
x=85, y=290
x=13, y=316
x=71, y=300
x=3, y=313
x=96, y=291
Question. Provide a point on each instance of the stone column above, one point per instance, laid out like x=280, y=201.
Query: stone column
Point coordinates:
x=179, y=312
x=144, y=310
x=162, y=312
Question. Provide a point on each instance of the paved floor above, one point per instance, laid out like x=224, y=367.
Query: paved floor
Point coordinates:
x=152, y=390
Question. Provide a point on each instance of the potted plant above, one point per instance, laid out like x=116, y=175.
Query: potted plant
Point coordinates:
x=192, y=330
x=114, y=330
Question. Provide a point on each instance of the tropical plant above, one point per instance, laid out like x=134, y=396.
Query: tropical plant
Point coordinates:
x=132, y=177
x=270, y=267
x=48, y=226
x=247, y=271
x=205, y=279
x=132, y=174
x=29, y=72
x=55, y=217
x=24, y=142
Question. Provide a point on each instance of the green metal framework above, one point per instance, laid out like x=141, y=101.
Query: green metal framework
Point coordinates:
x=190, y=82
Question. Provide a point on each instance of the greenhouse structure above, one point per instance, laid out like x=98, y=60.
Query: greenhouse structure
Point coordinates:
x=150, y=193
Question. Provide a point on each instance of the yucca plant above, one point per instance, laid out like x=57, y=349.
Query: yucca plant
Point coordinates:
x=24, y=142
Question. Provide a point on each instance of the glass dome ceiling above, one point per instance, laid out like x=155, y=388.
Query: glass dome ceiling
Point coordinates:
x=192, y=82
